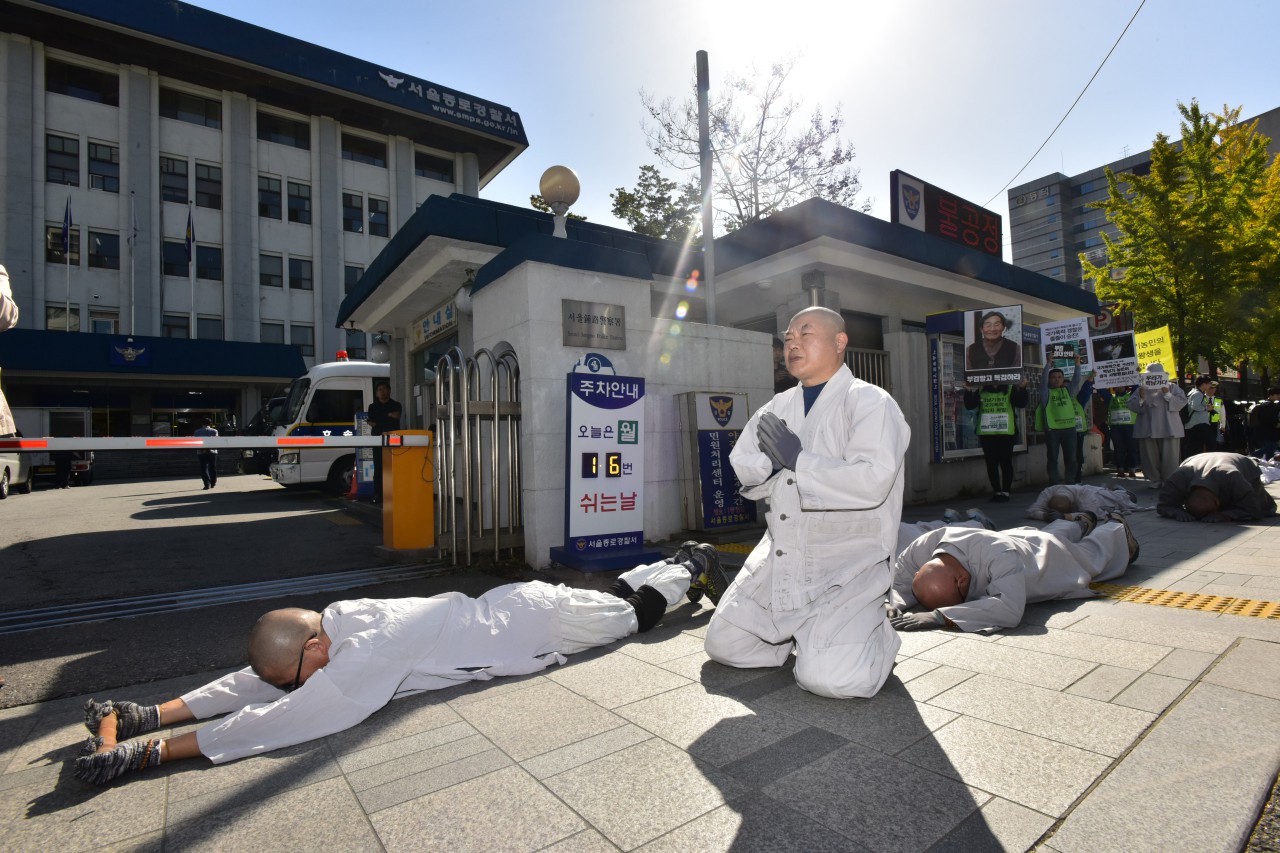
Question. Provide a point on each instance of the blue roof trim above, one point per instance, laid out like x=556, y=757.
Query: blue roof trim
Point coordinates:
x=491, y=223
x=563, y=252
x=816, y=218
x=209, y=31
x=40, y=350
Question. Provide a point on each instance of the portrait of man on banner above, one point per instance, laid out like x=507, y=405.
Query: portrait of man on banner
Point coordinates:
x=993, y=344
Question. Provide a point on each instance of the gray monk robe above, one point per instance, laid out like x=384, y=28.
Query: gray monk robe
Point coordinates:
x=1010, y=568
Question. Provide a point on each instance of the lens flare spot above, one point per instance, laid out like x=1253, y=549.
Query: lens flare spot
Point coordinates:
x=677, y=329
x=691, y=284
x=664, y=359
x=682, y=310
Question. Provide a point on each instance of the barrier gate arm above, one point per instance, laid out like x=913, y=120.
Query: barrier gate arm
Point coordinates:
x=213, y=442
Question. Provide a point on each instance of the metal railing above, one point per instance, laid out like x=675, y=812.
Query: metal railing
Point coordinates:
x=870, y=365
x=478, y=463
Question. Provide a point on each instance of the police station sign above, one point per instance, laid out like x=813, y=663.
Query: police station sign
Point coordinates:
x=604, y=468
x=711, y=423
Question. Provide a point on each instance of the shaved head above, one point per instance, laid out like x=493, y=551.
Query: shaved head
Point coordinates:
x=814, y=345
x=1062, y=504
x=941, y=582
x=831, y=319
x=1202, y=502
x=277, y=639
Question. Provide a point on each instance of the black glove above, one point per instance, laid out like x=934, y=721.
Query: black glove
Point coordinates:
x=778, y=442
x=917, y=622
x=1052, y=515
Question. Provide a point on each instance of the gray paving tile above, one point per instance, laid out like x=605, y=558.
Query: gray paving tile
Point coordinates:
x=1104, y=682
x=880, y=802
x=148, y=842
x=1184, y=663
x=16, y=725
x=753, y=823
x=1035, y=772
x=433, y=779
x=915, y=642
x=657, y=650
x=1195, y=783
x=398, y=719
x=587, y=841
x=927, y=686
x=1085, y=723
x=417, y=762
x=1045, y=670
x=1144, y=623
x=888, y=722
x=906, y=669
x=1265, y=586
x=712, y=727
x=65, y=814
x=714, y=676
x=199, y=788
x=1252, y=666
x=997, y=827
x=320, y=816
x=641, y=793
x=776, y=760
x=400, y=748
x=1151, y=693
x=562, y=718
x=1090, y=647
x=615, y=680
x=502, y=810
x=585, y=751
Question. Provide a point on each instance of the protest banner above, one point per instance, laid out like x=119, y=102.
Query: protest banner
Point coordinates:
x=993, y=345
x=1115, y=360
x=1061, y=340
x=1155, y=345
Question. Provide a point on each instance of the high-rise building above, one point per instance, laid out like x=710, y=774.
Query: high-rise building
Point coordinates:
x=214, y=181
x=1051, y=223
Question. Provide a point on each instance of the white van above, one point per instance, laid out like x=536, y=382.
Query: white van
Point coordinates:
x=15, y=473
x=325, y=401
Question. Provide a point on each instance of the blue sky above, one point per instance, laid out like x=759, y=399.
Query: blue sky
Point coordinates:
x=957, y=94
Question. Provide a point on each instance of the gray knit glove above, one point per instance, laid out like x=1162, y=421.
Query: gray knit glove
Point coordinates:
x=99, y=768
x=133, y=719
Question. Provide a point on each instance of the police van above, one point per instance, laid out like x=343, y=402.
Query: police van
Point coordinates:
x=325, y=401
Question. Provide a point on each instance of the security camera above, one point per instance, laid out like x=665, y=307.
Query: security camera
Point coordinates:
x=95, y=296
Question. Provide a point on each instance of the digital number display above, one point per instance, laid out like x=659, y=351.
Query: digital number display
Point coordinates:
x=590, y=466
x=613, y=464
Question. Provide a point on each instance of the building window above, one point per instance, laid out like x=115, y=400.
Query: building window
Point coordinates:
x=1053, y=254
x=299, y=274
x=173, y=256
x=303, y=337
x=361, y=150
x=350, y=276
x=299, y=203
x=1055, y=235
x=175, y=326
x=271, y=333
x=356, y=344
x=353, y=213
x=62, y=160
x=378, y=218
x=435, y=168
x=1053, y=217
x=190, y=108
x=103, y=321
x=173, y=180
x=1051, y=201
x=268, y=197
x=104, y=250
x=271, y=271
x=209, y=328
x=208, y=186
x=209, y=263
x=55, y=317
x=53, y=245
x=104, y=167
x=285, y=131
x=78, y=82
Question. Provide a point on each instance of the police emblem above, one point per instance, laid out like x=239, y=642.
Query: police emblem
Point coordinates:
x=721, y=409
x=911, y=201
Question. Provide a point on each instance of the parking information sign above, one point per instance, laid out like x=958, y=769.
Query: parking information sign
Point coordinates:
x=604, y=476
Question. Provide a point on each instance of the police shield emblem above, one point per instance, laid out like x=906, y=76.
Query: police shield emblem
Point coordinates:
x=721, y=408
x=911, y=200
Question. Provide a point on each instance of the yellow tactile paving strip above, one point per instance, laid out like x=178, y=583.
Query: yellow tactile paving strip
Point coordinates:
x=736, y=547
x=1191, y=600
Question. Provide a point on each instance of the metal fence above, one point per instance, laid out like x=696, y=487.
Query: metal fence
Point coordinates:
x=870, y=365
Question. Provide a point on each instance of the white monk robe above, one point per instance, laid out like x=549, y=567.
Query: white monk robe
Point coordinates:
x=1010, y=568
x=1095, y=499
x=817, y=580
x=384, y=649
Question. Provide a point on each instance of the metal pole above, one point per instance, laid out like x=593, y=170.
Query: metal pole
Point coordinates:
x=191, y=273
x=133, y=250
x=708, y=214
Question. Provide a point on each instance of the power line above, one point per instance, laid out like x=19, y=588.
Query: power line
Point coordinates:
x=1072, y=107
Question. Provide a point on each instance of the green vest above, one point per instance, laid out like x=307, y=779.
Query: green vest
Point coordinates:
x=1215, y=413
x=1082, y=421
x=1060, y=409
x=995, y=414
x=1118, y=413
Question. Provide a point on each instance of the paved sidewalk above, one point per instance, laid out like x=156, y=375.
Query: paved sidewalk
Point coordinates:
x=1097, y=726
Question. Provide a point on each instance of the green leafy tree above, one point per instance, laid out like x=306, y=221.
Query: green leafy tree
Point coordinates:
x=659, y=207
x=537, y=202
x=767, y=155
x=1190, y=245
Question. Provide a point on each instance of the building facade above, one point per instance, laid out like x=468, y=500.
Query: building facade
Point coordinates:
x=1051, y=223
x=171, y=173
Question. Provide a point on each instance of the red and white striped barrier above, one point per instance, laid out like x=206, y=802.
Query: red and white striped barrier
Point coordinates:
x=213, y=442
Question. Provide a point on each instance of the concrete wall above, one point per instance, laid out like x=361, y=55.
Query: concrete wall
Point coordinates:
x=523, y=308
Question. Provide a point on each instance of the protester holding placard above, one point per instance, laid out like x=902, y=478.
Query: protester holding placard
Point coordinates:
x=997, y=430
x=1058, y=416
x=1199, y=425
x=1120, y=421
x=1158, y=427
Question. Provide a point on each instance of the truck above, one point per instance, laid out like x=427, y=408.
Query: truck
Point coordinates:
x=57, y=422
x=325, y=401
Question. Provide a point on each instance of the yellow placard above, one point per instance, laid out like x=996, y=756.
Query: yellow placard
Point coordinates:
x=1156, y=345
